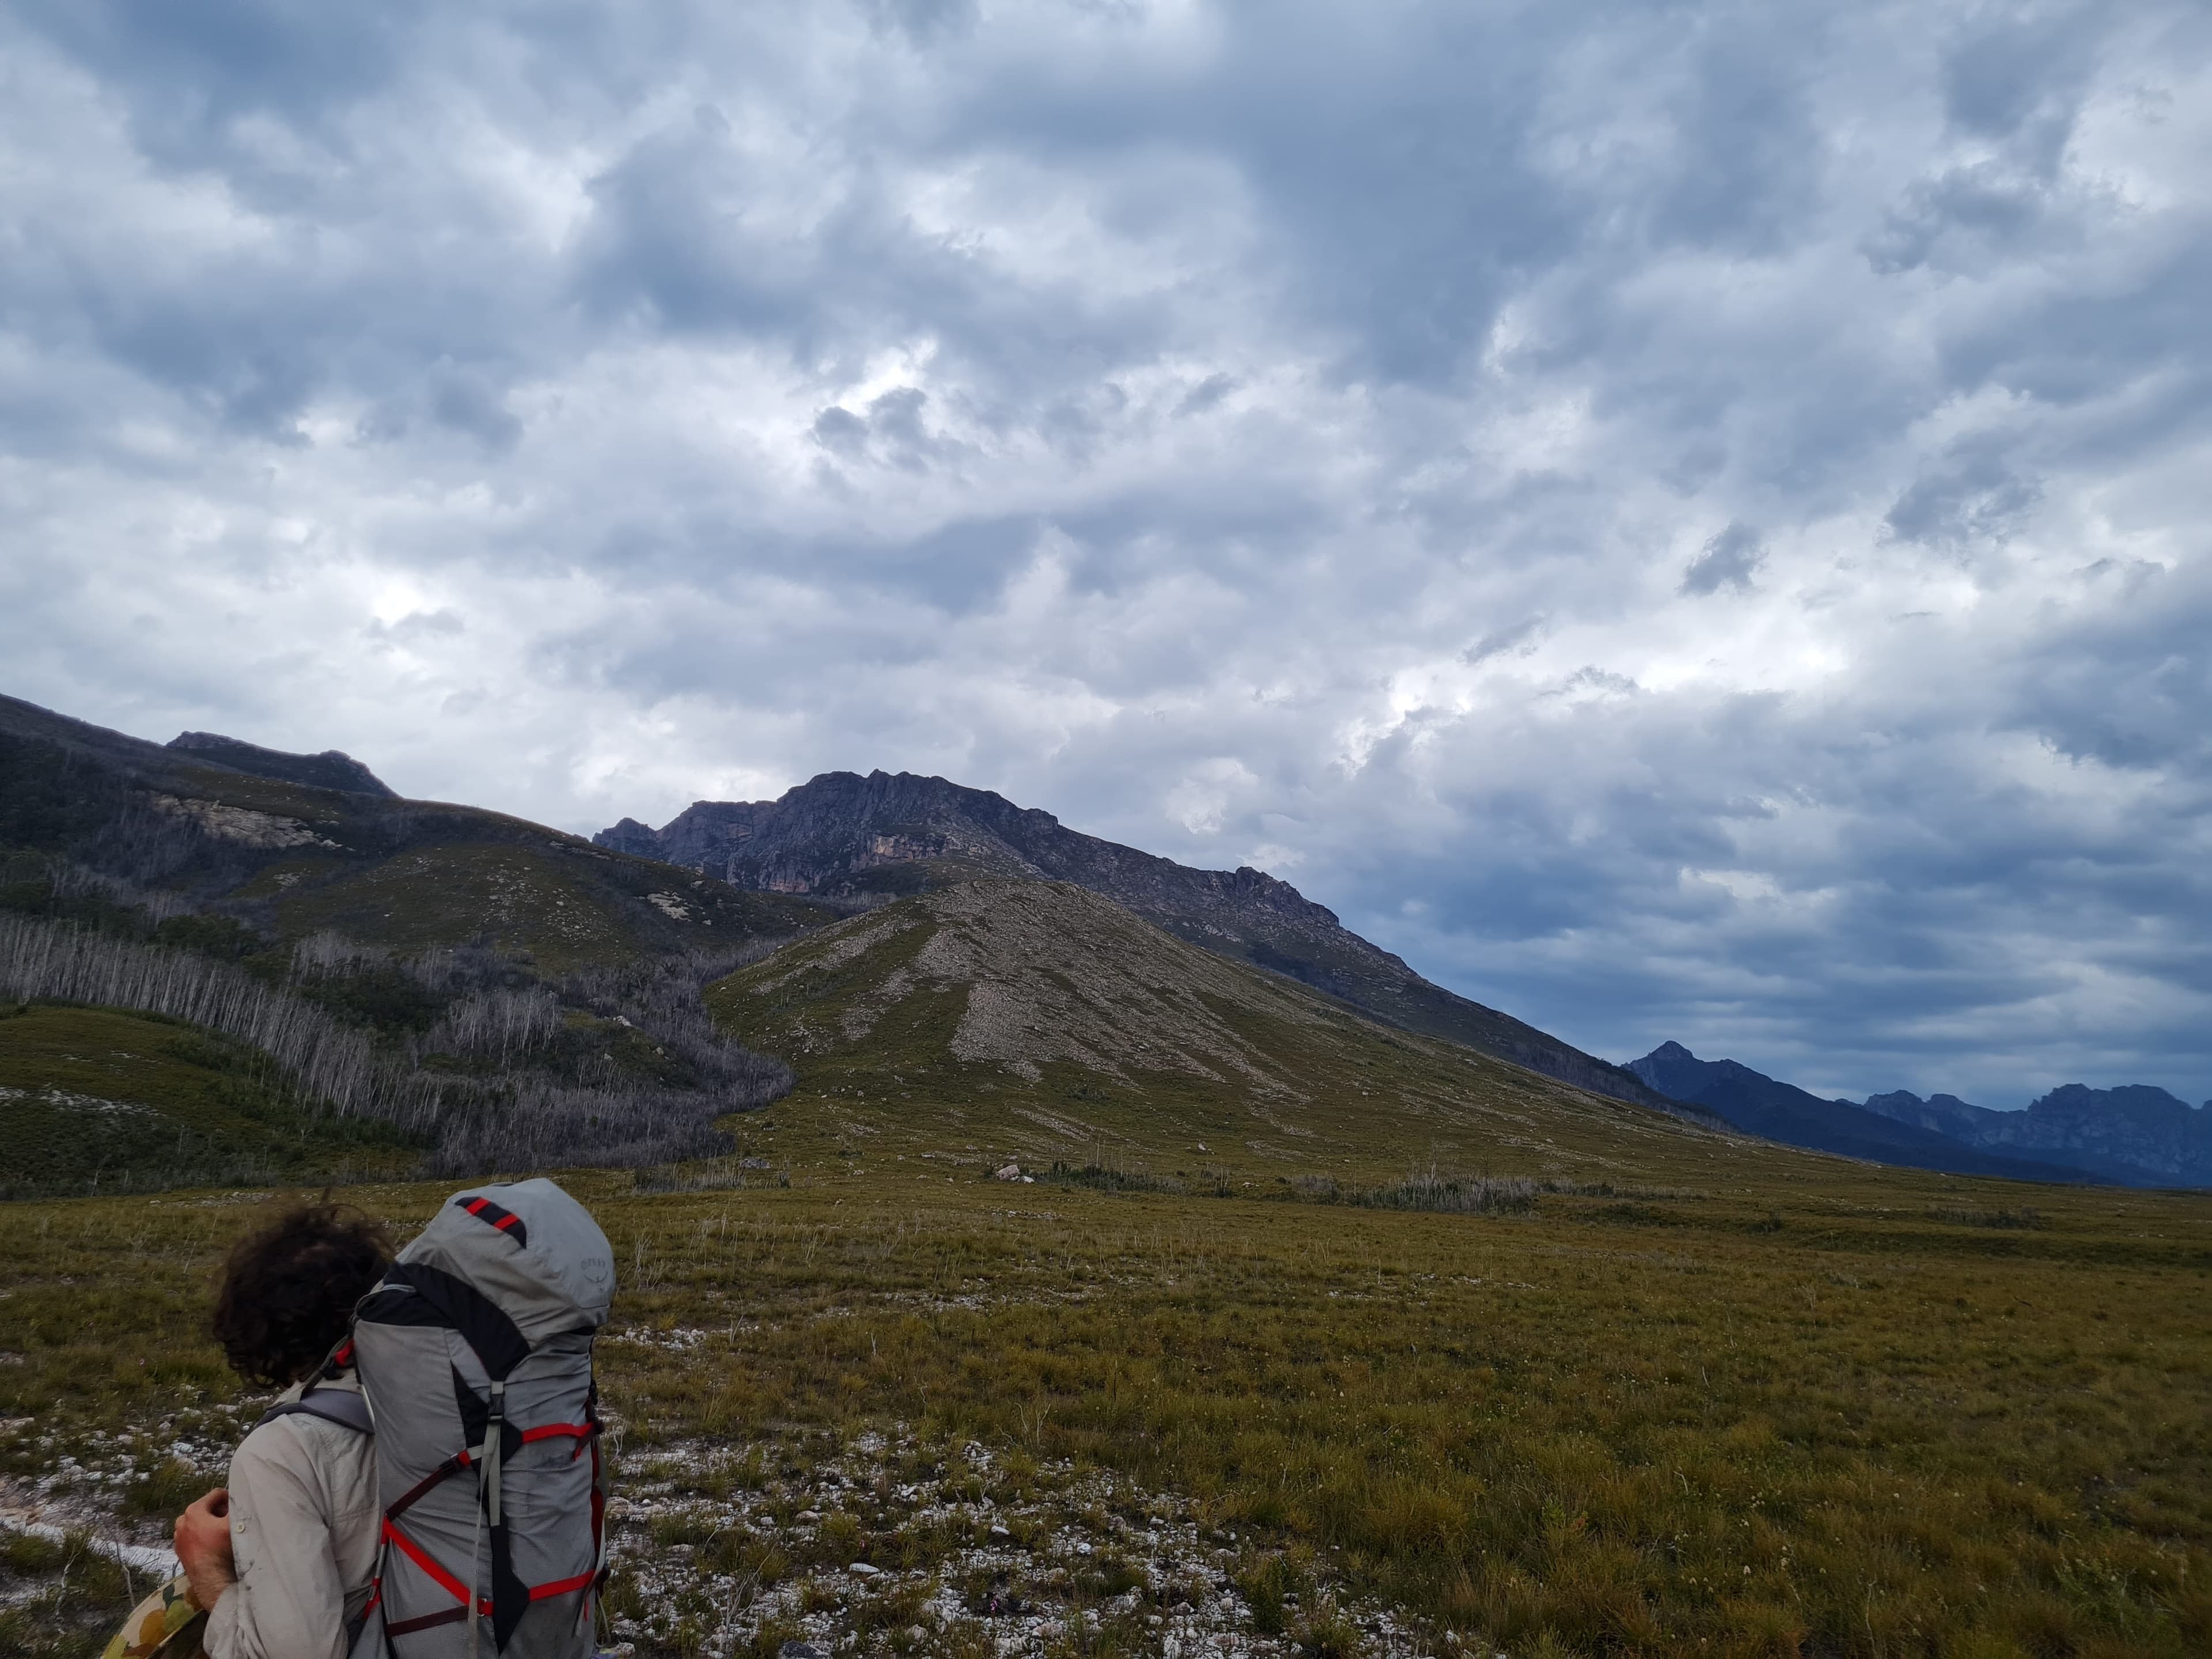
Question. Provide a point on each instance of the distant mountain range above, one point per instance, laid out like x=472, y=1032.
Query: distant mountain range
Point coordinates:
x=2134, y=1135
x=844, y=836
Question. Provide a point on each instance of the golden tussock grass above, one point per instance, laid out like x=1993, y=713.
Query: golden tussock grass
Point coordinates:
x=1852, y=1416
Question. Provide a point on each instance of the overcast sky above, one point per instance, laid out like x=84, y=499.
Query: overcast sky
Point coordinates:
x=1684, y=520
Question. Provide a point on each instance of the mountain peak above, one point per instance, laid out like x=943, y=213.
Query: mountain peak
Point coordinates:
x=843, y=836
x=2134, y=1100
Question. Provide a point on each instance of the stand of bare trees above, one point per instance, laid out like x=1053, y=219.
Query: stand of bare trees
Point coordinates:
x=661, y=998
x=330, y=1062
x=506, y=1112
x=498, y=1027
x=539, y=1125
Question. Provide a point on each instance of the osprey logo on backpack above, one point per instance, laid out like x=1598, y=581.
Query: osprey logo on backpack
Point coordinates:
x=475, y=1355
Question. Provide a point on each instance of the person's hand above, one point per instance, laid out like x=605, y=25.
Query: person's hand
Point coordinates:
x=203, y=1547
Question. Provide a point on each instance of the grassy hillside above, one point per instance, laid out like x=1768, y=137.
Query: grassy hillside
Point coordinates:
x=510, y=992
x=1037, y=1021
x=94, y=1097
x=1879, y=1413
x=290, y=859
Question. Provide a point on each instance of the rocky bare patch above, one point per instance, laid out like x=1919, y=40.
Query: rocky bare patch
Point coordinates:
x=886, y=1546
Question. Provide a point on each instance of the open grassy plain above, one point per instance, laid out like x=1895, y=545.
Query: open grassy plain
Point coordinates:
x=1816, y=1408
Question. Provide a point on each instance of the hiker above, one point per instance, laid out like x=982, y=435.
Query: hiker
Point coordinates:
x=283, y=1559
x=432, y=1477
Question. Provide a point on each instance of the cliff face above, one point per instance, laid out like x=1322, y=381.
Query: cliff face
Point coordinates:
x=843, y=836
x=2125, y=1132
x=1947, y=1114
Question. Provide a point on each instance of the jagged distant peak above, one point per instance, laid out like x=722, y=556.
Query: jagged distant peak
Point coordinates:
x=2136, y=1100
x=2135, y=1134
x=331, y=769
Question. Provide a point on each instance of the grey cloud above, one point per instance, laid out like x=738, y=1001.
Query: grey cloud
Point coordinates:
x=1971, y=498
x=1961, y=213
x=1207, y=394
x=1102, y=402
x=416, y=626
x=1743, y=76
x=894, y=431
x=2019, y=73
x=191, y=75
x=1501, y=640
x=921, y=21
x=1732, y=558
x=838, y=429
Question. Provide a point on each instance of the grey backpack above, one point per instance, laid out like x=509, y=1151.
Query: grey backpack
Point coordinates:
x=475, y=1355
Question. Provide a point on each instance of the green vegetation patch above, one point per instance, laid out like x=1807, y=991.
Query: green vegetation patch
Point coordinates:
x=515, y=897
x=562, y=905
x=94, y=1099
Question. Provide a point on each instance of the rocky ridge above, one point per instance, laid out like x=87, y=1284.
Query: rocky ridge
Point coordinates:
x=331, y=769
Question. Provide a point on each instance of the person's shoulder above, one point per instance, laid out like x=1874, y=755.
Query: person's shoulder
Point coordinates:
x=283, y=1439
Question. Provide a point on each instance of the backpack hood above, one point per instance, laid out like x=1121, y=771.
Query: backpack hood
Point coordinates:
x=530, y=1248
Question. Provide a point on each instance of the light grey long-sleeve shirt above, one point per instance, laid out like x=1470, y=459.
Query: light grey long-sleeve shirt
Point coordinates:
x=303, y=1529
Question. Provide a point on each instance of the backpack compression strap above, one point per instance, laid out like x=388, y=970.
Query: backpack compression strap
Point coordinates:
x=490, y=1213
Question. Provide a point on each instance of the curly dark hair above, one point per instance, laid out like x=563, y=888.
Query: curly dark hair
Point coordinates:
x=289, y=1289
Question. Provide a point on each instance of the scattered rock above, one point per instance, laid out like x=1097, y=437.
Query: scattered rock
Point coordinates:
x=1011, y=1172
x=240, y=824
